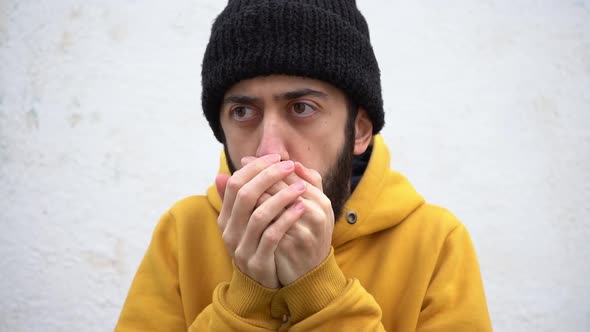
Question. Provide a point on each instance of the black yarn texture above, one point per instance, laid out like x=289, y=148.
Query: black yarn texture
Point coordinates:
x=326, y=40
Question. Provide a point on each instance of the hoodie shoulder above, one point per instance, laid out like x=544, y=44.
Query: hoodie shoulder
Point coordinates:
x=435, y=217
x=193, y=208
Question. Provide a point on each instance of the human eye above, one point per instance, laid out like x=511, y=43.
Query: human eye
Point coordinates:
x=242, y=113
x=303, y=109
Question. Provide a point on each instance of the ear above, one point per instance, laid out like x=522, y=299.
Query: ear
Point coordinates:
x=363, y=132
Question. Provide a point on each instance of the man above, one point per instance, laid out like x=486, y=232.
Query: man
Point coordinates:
x=306, y=227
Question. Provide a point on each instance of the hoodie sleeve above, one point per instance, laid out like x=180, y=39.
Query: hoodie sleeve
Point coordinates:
x=154, y=301
x=455, y=299
x=240, y=305
x=324, y=300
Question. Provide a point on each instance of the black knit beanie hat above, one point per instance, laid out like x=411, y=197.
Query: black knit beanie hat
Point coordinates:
x=326, y=40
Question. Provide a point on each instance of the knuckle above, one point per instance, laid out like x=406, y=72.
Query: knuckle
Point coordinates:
x=271, y=235
x=325, y=201
x=225, y=236
x=258, y=215
x=274, y=172
x=233, y=184
x=253, y=265
x=286, y=247
x=221, y=224
x=258, y=166
x=263, y=198
x=244, y=194
x=239, y=255
x=316, y=176
x=229, y=240
x=306, y=237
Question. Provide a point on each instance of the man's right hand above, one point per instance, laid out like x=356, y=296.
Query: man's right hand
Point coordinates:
x=252, y=234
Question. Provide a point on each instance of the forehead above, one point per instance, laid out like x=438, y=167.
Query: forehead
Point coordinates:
x=279, y=84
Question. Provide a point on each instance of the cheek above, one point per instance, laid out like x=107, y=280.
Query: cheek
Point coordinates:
x=236, y=151
x=319, y=155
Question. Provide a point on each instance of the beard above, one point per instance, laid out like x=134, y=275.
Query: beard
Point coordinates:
x=337, y=180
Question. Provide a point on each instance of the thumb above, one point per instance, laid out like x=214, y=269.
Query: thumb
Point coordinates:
x=220, y=183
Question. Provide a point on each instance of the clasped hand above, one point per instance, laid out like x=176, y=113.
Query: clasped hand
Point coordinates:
x=275, y=220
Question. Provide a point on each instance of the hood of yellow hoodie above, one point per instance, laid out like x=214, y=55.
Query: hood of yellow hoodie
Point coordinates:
x=382, y=199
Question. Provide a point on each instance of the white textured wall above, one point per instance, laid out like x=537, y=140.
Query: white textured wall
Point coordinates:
x=488, y=113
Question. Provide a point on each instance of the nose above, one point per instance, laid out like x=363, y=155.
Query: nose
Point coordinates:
x=272, y=138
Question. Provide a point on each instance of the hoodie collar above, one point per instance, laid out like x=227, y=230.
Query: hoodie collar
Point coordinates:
x=382, y=199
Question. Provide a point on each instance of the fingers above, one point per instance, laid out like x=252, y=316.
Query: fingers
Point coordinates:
x=275, y=188
x=273, y=234
x=245, y=174
x=235, y=182
x=247, y=196
x=301, y=172
x=246, y=160
x=263, y=216
x=250, y=192
x=262, y=202
x=314, y=192
x=263, y=198
x=310, y=175
x=306, y=242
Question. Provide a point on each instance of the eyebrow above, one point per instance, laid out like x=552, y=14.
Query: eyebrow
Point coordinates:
x=240, y=100
x=301, y=93
x=237, y=99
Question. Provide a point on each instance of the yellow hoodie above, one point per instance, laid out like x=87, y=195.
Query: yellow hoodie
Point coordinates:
x=404, y=265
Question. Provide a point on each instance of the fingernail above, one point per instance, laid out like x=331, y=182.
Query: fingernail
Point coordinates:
x=272, y=158
x=287, y=165
x=298, y=205
x=299, y=186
